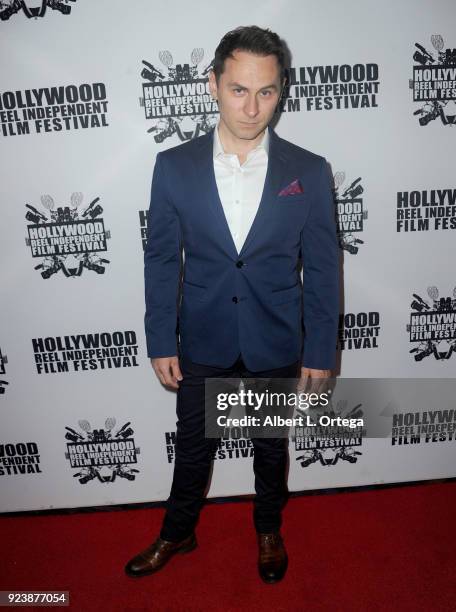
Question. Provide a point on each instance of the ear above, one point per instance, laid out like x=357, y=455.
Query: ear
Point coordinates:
x=212, y=84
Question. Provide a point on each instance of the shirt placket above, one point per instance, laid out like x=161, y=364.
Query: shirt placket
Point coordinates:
x=235, y=227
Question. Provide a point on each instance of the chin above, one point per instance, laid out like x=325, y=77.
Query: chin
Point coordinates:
x=251, y=132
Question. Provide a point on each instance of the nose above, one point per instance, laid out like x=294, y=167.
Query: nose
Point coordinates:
x=251, y=106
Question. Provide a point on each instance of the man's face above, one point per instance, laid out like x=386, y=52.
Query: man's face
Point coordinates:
x=248, y=92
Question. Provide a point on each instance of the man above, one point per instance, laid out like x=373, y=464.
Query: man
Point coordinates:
x=244, y=205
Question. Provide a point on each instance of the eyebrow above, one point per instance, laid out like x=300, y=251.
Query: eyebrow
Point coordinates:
x=234, y=84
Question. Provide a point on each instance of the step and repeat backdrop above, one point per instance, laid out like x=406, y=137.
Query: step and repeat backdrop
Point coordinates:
x=90, y=92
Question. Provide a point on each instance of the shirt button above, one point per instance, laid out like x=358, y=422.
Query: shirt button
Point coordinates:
x=239, y=264
x=235, y=300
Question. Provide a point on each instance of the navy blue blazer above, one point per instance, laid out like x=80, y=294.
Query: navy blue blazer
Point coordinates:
x=253, y=302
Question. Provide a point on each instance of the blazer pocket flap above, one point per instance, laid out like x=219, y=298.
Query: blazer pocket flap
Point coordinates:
x=286, y=295
x=194, y=291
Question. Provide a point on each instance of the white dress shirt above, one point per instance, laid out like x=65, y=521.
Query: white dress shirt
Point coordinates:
x=240, y=186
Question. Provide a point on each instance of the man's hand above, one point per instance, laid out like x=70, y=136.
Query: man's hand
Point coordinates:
x=167, y=370
x=317, y=379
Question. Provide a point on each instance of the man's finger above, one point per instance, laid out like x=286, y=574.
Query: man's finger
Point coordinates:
x=176, y=371
x=302, y=383
x=168, y=377
x=163, y=371
x=315, y=384
x=159, y=376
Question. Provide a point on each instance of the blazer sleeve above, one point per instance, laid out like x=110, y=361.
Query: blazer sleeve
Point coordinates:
x=320, y=260
x=162, y=263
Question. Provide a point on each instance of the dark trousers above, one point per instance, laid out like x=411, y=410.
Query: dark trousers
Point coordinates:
x=193, y=455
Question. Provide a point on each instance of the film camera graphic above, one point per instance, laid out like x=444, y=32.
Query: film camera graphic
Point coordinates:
x=186, y=125
x=33, y=9
x=433, y=325
x=350, y=212
x=87, y=452
x=442, y=63
x=71, y=222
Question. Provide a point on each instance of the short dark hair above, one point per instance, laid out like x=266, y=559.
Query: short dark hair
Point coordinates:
x=254, y=39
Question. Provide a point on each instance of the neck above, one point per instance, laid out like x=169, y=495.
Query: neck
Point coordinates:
x=237, y=146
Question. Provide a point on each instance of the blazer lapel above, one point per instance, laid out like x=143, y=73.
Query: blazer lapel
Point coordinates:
x=204, y=163
x=274, y=176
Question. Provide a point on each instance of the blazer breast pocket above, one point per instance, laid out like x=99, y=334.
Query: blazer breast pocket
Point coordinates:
x=298, y=198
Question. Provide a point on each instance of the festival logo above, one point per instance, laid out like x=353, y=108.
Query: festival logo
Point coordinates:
x=143, y=227
x=432, y=326
x=176, y=97
x=358, y=330
x=102, y=454
x=3, y=362
x=421, y=211
x=336, y=87
x=429, y=426
x=67, y=239
x=53, y=109
x=18, y=458
x=33, y=8
x=327, y=445
x=350, y=212
x=434, y=82
x=84, y=352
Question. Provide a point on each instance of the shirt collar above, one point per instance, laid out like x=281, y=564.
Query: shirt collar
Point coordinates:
x=218, y=148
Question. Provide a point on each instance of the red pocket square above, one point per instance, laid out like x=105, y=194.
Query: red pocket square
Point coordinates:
x=292, y=188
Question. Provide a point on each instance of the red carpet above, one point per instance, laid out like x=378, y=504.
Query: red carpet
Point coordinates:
x=386, y=549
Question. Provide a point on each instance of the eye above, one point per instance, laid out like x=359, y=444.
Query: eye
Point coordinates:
x=266, y=92
x=238, y=90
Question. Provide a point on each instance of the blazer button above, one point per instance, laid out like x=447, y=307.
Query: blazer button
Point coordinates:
x=235, y=300
x=239, y=264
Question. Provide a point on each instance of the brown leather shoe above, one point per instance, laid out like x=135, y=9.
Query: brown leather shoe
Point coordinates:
x=272, y=559
x=157, y=555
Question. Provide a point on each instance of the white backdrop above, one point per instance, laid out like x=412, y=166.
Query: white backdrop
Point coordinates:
x=376, y=143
